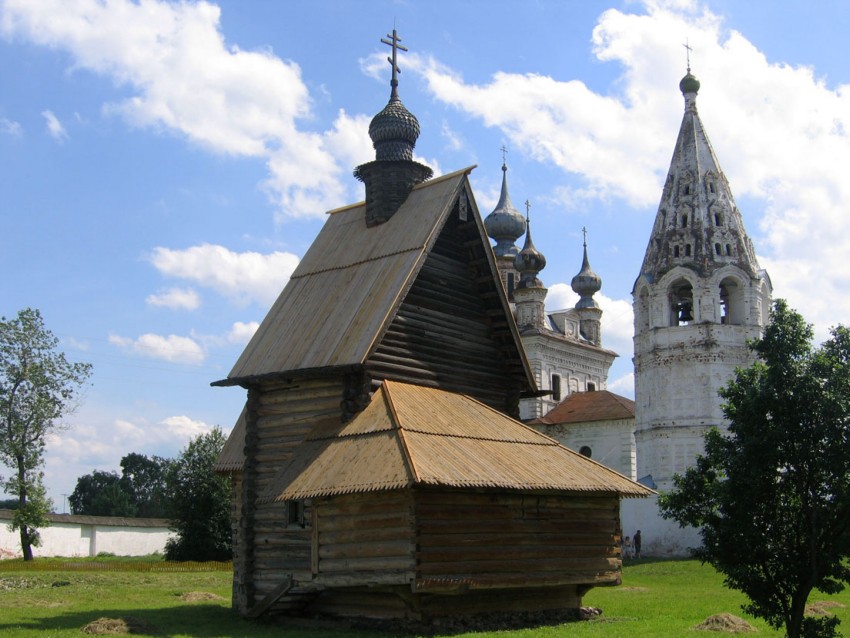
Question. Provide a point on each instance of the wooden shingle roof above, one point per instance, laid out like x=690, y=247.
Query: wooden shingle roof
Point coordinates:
x=411, y=435
x=344, y=293
x=586, y=407
x=232, y=456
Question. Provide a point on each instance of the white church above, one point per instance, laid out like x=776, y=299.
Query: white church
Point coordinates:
x=698, y=298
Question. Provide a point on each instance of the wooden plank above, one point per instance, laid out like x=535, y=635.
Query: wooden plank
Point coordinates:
x=270, y=599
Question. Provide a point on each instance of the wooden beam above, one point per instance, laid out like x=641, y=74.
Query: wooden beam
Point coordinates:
x=270, y=599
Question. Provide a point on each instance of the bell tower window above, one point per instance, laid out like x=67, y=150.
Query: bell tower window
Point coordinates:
x=681, y=296
x=556, y=387
x=687, y=250
x=684, y=221
x=717, y=250
x=675, y=251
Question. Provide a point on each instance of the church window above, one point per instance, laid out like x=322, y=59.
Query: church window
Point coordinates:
x=687, y=189
x=585, y=450
x=717, y=219
x=511, y=285
x=675, y=251
x=556, y=387
x=728, y=249
x=591, y=387
x=687, y=250
x=681, y=296
x=717, y=250
x=684, y=221
x=711, y=187
x=295, y=514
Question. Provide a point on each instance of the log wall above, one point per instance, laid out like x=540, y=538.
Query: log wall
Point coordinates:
x=451, y=331
x=469, y=540
x=279, y=416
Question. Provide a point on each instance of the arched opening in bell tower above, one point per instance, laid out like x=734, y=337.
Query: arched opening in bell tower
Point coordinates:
x=732, y=310
x=681, y=297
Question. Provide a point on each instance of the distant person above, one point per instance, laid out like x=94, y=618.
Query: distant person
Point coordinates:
x=637, y=543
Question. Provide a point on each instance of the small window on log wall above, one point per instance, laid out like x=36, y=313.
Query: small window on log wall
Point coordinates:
x=295, y=513
x=556, y=387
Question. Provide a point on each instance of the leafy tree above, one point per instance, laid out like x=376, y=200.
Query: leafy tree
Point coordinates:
x=38, y=386
x=201, y=501
x=772, y=497
x=143, y=478
x=101, y=494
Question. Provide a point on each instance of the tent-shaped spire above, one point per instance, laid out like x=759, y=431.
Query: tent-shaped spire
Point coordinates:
x=698, y=224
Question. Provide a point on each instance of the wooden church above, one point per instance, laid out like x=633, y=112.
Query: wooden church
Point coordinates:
x=378, y=469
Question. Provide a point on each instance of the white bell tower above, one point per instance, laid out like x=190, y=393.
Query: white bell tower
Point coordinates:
x=699, y=297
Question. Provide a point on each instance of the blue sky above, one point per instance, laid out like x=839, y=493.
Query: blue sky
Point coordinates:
x=165, y=165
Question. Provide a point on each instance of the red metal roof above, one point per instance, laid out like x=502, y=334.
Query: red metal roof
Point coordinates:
x=585, y=407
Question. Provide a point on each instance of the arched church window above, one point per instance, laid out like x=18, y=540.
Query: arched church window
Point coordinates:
x=511, y=284
x=687, y=250
x=728, y=250
x=711, y=187
x=684, y=221
x=585, y=450
x=681, y=297
x=675, y=251
x=718, y=220
x=717, y=250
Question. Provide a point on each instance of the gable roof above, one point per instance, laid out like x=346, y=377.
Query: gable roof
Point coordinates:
x=345, y=291
x=585, y=407
x=415, y=436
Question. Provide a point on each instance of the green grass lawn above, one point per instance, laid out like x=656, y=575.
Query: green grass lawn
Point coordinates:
x=656, y=599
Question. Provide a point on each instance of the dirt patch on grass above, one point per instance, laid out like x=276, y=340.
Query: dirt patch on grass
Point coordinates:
x=116, y=626
x=623, y=588
x=822, y=607
x=200, y=596
x=726, y=623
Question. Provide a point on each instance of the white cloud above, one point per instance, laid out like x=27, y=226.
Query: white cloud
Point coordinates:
x=175, y=298
x=184, y=428
x=186, y=79
x=780, y=133
x=171, y=348
x=10, y=127
x=54, y=126
x=242, y=277
x=242, y=332
x=624, y=385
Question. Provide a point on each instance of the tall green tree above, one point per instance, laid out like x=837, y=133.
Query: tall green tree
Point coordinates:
x=38, y=386
x=201, y=502
x=101, y=494
x=143, y=478
x=772, y=496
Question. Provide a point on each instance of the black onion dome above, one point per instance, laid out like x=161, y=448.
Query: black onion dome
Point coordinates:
x=505, y=224
x=689, y=84
x=529, y=262
x=394, y=132
x=586, y=283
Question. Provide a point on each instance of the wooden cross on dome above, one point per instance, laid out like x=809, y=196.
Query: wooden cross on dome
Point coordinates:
x=394, y=43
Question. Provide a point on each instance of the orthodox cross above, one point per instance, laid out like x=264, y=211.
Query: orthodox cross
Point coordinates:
x=584, y=232
x=527, y=210
x=504, y=154
x=688, y=49
x=394, y=43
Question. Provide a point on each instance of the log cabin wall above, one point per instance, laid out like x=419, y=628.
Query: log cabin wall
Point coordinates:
x=451, y=331
x=364, y=539
x=480, y=540
x=279, y=416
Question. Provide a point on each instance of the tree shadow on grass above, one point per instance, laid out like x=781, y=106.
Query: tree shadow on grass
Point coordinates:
x=196, y=621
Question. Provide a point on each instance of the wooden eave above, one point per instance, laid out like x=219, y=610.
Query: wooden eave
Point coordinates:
x=232, y=456
x=452, y=441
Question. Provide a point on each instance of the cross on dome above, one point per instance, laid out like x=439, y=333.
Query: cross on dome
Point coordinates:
x=394, y=43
